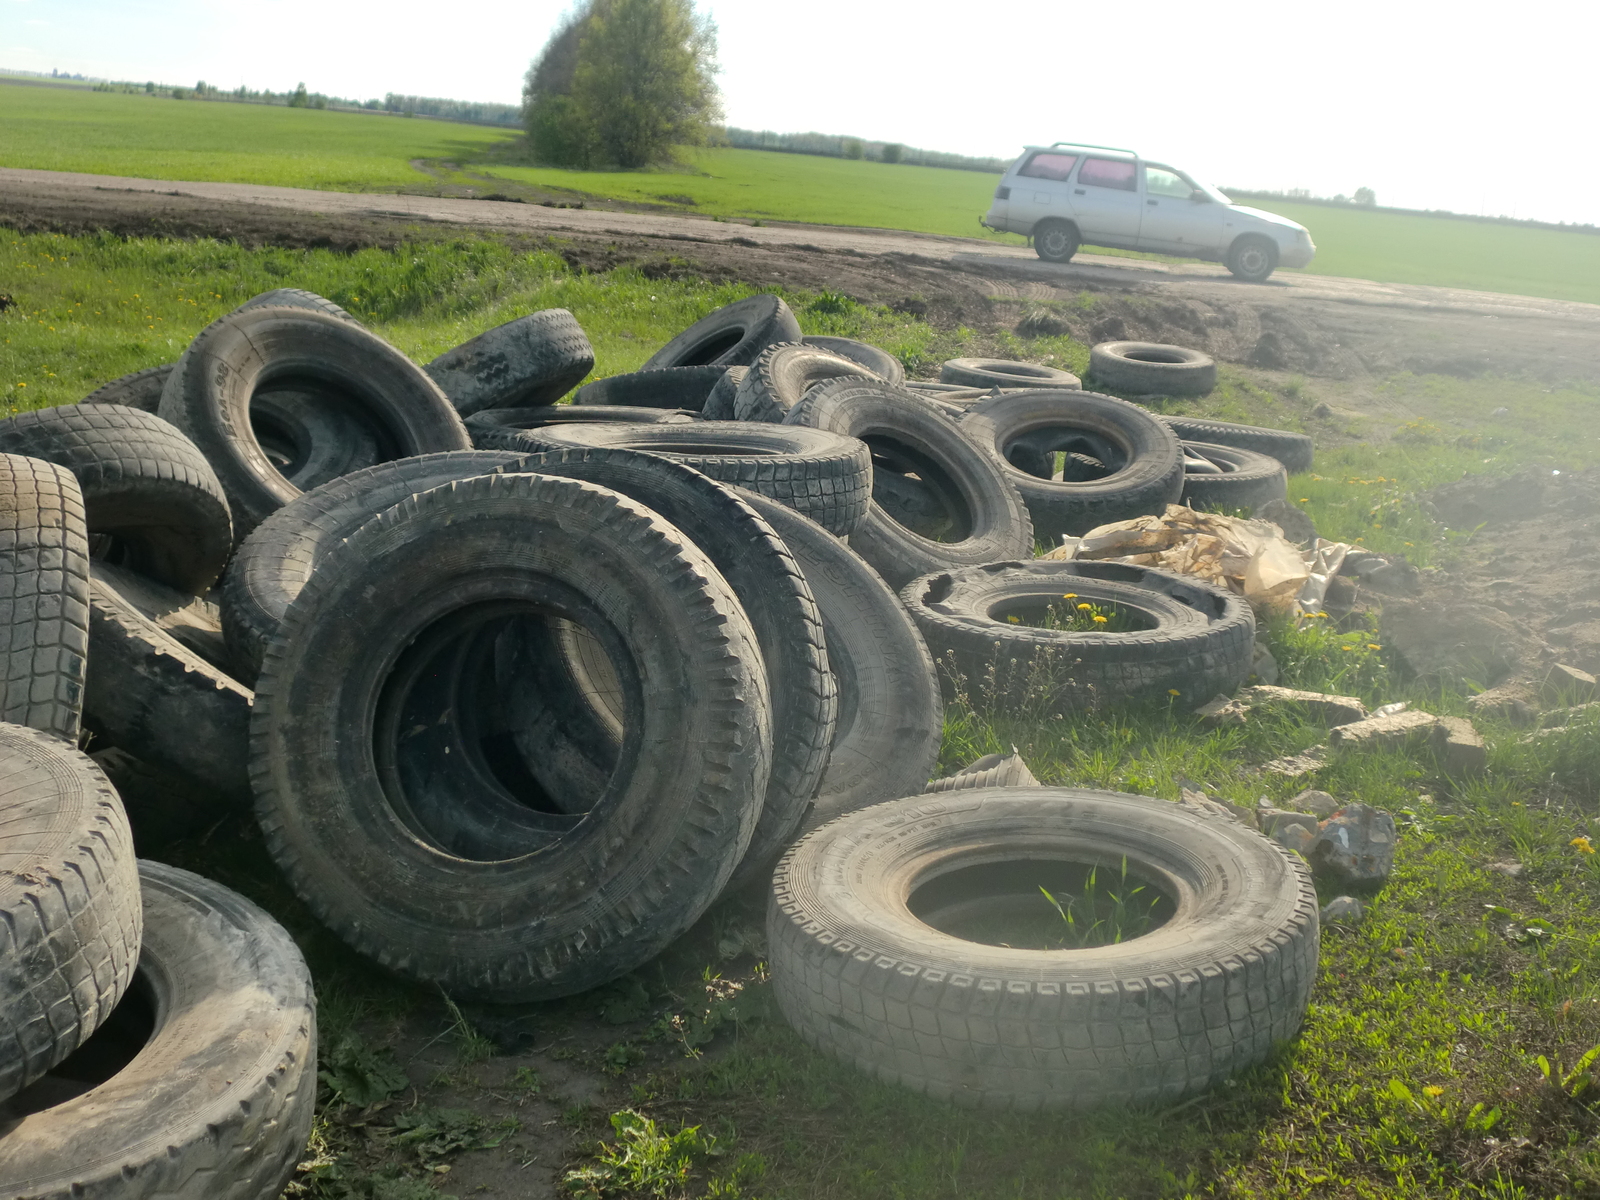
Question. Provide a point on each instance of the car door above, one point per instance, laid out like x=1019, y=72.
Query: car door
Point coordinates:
x=1039, y=189
x=1106, y=200
x=1173, y=220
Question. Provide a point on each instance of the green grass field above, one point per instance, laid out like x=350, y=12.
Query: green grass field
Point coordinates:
x=73, y=129
x=1417, y=1074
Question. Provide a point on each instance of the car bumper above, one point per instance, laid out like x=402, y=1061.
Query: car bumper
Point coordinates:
x=1297, y=255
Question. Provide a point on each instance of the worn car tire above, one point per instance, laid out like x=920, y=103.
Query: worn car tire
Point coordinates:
x=216, y=1101
x=1141, y=461
x=719, y=402
x=891, y=716
x=297, y=298
x=731, y=336
x=507, y=428
x=880, y=362
x=665, y=387
x=1003, y=373
x=780, y=378
x=1055, y=241
x=1245, y=480
x=861, y=970
x=275, y=561
x=434, y=866
x=532, y=361
x=823, y=475
x=140, y=389
x=44, y=597
x=782, y=609
x=1152, y=369
x=918, y=449
x=209, y=396
x=1252, y=259
x=1293, y=450
x=1193, y=639
x=69, y=905
x=151, y=501
x=156, y=697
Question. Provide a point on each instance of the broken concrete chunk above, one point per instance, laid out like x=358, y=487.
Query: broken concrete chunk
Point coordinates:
x=1296, y=765
x=1318, y=804
x=1566, y=684
x=1330, y=710
x=1271, y=820
x=992, y=770
x=1510, y=868
x=1222, y=711
x=1354, y=846
x=1343, y=910
x=1294, y=837
x=1391, y=732
x=1460, y=747
x=1514, y=701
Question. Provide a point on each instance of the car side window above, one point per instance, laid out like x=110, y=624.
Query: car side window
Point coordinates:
x=1116, y=173
x=1046, y=165
x=1158, y=181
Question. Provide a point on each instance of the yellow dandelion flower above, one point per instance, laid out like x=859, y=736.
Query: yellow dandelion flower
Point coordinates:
x=1174, y=692
x=1305, y=499
x=1433, y=1091
x=1582, y=843
x=1374, y=646
x=1069, y=595
x=1085, y=607
x=1014, y=620
x=1099, y=620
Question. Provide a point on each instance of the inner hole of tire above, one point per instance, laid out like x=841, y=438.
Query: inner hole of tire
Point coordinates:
x=707, y=352
x=495, y=732
x=950, y=516
x=1154, y=356
x=109, y=1049
x=1026, y=903
x=1067, y=454
x=340, y=411
x=1065, y=610
x=1021, y=371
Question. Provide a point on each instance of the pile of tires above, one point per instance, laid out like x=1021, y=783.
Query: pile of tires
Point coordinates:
x=516, y=684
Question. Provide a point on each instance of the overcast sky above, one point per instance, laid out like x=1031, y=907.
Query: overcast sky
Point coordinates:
x=1432, y=105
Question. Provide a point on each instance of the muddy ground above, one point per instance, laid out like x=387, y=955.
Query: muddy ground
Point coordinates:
x=559, y=1072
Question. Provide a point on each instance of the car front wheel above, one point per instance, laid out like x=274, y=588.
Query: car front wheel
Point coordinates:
x=1055, y=241
x=1253, y=259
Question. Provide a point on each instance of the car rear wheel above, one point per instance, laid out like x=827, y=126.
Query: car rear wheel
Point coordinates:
x=1055, y=241
x=1253, y=259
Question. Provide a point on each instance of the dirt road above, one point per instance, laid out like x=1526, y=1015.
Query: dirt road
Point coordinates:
x=1347, y=329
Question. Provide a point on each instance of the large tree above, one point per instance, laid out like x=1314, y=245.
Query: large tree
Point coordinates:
x=622, y=82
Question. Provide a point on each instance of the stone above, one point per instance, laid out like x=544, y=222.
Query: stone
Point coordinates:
x=1296, y=765
x=1294, y=837
x=1294, y=523
x=1343, y=910
x=1513, y=701
x=1566, y=684
x=1510, y=868
x=1392, y=575
x=1355, y=846
x=1318, y=804
x=1263, y=666
x=1270, y=820
x=1323, y=409
x=1330, y=710
x=1391, y=732
x=1461, y=749
x=1222, y=710
x=1456, y=642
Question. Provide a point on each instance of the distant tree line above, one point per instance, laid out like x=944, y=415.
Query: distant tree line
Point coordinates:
x=830, y=145
x=470, y=111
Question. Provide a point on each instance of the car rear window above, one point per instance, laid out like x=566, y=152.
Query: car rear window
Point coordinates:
x=1116, y=173
x=1049, y=166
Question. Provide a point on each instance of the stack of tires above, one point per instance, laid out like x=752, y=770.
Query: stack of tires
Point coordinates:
x=517, y=686
x=157, y=1031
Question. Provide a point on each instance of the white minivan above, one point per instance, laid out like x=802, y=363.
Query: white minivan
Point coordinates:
x=1066, y=195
